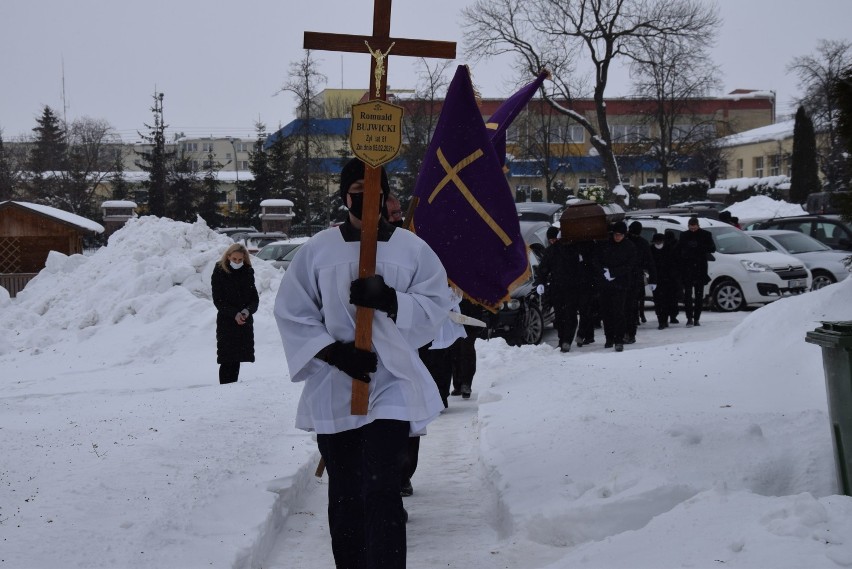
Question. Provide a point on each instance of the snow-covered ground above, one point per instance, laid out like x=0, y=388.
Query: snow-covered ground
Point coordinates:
x=703, y=447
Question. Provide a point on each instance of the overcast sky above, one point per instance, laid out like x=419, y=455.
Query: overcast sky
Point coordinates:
x=221, y=64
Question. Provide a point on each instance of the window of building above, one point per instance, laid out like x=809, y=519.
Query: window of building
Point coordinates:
x=190, y=147
x=241, y=146
x=244, y=164
x=775, y=165
x=626, y=133
x=575, y=133
x=739, y=168
x=652, y=180
x=194, y=164
x=758, y=166
x=207, y=164
x=227, y=156
x=207, y=147
x=586, y=182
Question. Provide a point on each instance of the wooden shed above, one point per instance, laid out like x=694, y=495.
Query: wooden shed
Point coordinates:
x=28, y=232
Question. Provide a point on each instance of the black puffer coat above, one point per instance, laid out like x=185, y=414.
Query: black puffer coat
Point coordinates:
x=232, y=292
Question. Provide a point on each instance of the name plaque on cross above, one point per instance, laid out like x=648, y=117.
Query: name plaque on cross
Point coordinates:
x=375, y=134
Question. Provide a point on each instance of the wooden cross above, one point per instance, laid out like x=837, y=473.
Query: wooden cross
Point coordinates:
x=379, y=46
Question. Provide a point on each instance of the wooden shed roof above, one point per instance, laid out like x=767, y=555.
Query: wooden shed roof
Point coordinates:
x=65, y=217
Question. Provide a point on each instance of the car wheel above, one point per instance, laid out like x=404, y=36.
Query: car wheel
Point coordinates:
x=822, y=279
x=530, y=328
x=727, y=296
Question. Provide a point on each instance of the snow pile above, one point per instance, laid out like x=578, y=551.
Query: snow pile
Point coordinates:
x=764, y=207
x=153, y=268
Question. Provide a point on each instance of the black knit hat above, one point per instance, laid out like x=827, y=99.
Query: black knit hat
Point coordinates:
x=635, y=228
x=692, y=221
x=552, y=232
x=658, y=238
x=354, y=171
x=619, y=227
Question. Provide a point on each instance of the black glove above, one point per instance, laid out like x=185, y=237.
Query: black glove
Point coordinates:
x=357, y=364
x=372, y=292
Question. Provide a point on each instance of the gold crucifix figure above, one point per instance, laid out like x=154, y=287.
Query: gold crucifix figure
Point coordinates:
x=380, y=65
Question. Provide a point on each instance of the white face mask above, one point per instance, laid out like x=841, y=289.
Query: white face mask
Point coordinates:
x=658, y=245
x=235, y=266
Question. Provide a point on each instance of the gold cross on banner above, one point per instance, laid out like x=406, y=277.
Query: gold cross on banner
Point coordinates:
x=453, y=176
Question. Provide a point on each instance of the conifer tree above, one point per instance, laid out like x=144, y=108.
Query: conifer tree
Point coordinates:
x=155, y=162
x=805, y=177
x=117, y=181
x=208, y=203
x=8, y=174
x=48, y=155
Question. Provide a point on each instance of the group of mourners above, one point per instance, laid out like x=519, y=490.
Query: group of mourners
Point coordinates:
x=591, y=283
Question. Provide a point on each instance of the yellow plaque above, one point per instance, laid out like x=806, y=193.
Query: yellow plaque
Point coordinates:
x=376, y=132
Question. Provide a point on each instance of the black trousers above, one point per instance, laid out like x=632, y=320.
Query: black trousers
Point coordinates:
x=365, y=514
x=565, y=312
x=463, y=361
x=635, y=306
x=229, y=372
x=440, y=367
x=615, y=313
x=693, y=299
x=665, y=301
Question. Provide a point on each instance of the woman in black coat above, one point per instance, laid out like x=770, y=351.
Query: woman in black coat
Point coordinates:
x=236, y=299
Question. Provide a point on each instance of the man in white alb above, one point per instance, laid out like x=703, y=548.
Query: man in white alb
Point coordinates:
x=315, y=313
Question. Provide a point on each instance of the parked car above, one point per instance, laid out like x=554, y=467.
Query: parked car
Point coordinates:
x=288, y=257
x=232, y=231
x=521, y=319
x=742, y=271
x=276, y=252
x=828, y=229
x=824, y=202
x=539, y=211
x=255, y=241
x=827, y=265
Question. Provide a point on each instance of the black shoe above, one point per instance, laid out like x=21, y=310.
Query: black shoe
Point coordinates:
x=455, y=392
x=689, y=323
x=580, y=342
x=406, y=490
x=445, y=402
x=619, y=347
x=674, y=320
x=565, y=346
x=465, y=392
x=585, y=342
x=608, y=345
x=695, y=323
x=643, y=319
x=630, y=339
x=662, y=326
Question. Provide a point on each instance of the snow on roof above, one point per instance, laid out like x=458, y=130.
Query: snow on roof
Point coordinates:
x=739, y=184
x=649, y=196
x=67, y=217
x=719, y=191
x=118, y=203
x=777, y=131
x=276, y=203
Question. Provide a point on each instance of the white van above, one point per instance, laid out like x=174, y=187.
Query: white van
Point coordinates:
x=743, y=272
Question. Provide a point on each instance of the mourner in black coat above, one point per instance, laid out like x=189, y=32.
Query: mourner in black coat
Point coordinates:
x=695, y=246
x=645, y=266
x=236, y=300
x=666, y=289
x=618, y=259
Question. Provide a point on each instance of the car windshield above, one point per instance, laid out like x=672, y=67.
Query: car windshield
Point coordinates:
x=273, y=252
x=290, y=254
x=732, y=241
x=800, y=243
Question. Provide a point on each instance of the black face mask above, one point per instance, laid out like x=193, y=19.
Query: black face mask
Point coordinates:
x=357, y=208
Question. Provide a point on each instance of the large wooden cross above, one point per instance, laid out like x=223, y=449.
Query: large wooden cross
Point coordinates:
x=379, y=46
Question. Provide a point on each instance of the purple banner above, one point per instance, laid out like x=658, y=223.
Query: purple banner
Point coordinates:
x=466, y=211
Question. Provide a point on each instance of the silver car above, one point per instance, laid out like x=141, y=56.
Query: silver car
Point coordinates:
x=827, y=265
x=276, y=253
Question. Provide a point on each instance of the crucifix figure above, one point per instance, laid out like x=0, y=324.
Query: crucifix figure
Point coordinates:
x=380, y=66
x=382, y=43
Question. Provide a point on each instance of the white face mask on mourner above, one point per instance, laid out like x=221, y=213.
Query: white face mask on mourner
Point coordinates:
x=658, y=245
x=235, y=266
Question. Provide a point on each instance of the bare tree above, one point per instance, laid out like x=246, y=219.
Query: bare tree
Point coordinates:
x=675, y=74
x=553, y=34
x=304, y=81
x=90, y=161
x=420, y=120
x=818, y=76
x=12, y=161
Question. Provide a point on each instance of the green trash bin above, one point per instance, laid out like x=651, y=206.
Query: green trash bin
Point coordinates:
x=835, y=338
